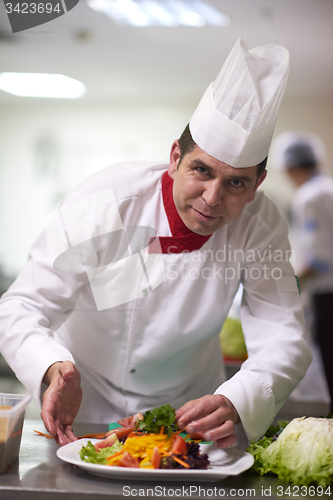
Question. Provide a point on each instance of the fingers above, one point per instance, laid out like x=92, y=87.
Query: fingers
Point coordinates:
x=192, y=411
x=61, y=402
x=183, y=410
x=213, y=415
x=67, y=370
x=224, y=433
x=53, y=428
x=215, y=419
x=69, y=433
x=225, y=442
x=61, y=439
x=49, y=423
x=65, y=435
x=47, y=413
x=62, y=434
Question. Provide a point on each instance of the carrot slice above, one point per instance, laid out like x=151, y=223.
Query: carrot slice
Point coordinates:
x=98, y=435
x=114, y=455
x=43, y=434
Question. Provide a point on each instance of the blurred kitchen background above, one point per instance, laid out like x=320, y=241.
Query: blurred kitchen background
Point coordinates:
x=144, y=72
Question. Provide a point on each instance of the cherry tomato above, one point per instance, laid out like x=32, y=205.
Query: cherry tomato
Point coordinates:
x=108, y=441
x=156, y=458
x=125, y=422
x=120, y=433
x=124, y=432
x=113, y=431
x=127, y=460
x=179, y=447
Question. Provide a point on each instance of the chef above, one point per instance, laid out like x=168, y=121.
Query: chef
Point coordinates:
x=300, y=155
x=125, y=292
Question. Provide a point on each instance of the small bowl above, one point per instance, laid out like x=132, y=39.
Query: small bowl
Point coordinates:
x=12, y=410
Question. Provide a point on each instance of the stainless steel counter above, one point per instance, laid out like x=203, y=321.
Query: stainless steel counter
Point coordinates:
x=40, y=475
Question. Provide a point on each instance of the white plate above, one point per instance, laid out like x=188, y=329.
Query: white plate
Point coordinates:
x=223, y=463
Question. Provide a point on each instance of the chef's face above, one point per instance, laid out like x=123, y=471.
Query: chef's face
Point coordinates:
x=208, y=193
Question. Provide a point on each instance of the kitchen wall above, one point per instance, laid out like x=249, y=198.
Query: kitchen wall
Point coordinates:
x=48, y=147
x=46, y=150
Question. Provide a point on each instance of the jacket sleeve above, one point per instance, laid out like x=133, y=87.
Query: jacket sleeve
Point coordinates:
x=39, y=301
x=48, y=288
x=272, y=320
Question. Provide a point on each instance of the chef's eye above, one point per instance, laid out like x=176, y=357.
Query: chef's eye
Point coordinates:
x=201, y=170
x=236, y=183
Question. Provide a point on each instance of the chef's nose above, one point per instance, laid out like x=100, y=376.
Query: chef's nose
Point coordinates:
x=213, y=193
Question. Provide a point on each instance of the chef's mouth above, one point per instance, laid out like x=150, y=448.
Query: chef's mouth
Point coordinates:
x=204, y=216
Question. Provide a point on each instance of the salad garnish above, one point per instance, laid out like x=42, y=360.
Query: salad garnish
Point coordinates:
x=159, y=420
x=90, y=454
x=152, y=441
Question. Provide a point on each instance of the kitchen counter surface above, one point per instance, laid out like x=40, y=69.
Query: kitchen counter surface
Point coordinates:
x=40, y=475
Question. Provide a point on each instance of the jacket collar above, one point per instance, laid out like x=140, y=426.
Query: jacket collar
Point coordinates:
x=182, y=239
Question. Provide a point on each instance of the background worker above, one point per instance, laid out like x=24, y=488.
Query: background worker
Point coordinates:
x=300, y=155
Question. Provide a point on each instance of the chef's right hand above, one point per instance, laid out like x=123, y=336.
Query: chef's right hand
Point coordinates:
x=61, y=401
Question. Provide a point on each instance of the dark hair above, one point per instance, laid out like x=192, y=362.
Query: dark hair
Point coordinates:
x=187, y=144
x=300, y=155
x=261, y=167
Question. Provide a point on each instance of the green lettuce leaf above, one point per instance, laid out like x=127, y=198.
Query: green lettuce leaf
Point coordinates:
x=89, y=454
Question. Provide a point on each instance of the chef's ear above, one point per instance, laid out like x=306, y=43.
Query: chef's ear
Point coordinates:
x=259, y=181
x=174, y=159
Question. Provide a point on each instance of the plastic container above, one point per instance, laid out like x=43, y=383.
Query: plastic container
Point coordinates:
x=12, y=410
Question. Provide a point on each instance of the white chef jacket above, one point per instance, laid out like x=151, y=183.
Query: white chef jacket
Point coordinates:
x=312, y=212
x=160, y=342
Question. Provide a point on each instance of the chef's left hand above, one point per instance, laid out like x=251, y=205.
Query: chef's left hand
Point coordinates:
x=61, y=400
x=213, y=415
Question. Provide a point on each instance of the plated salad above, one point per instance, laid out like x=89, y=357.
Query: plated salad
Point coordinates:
x=149, y=441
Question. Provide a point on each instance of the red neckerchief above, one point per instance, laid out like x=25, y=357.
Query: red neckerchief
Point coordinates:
x=182, y=239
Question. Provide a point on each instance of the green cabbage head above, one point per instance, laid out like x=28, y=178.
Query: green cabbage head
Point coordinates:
x=232, y=339
x=302, y=454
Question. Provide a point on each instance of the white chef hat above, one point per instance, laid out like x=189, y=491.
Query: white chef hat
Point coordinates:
x=297, y=148
x=235, y=119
